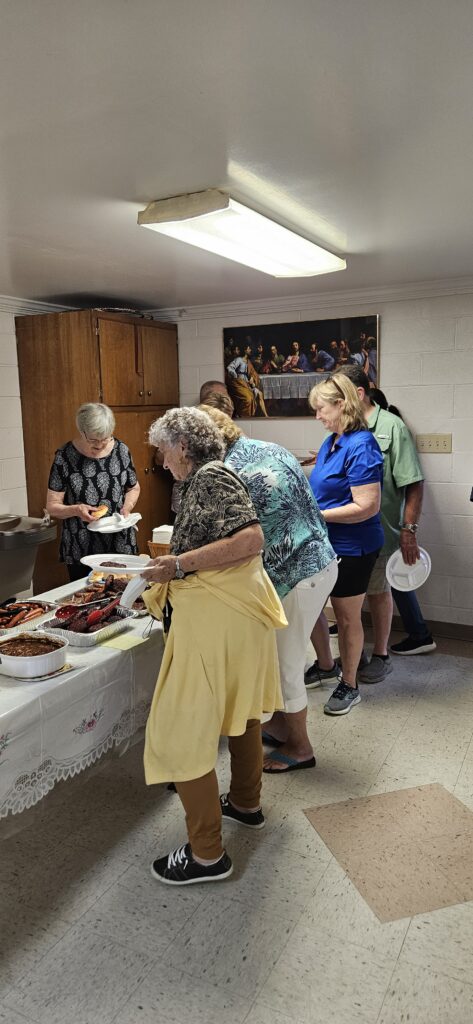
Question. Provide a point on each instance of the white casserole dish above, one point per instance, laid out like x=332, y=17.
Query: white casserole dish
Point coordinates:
x=26, y=667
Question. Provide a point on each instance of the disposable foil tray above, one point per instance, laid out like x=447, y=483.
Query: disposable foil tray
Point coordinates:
x=92, y=639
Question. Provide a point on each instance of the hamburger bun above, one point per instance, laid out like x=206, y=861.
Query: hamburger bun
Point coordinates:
x=101, y=510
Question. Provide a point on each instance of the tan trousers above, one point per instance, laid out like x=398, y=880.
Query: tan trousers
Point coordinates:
x=200, y=797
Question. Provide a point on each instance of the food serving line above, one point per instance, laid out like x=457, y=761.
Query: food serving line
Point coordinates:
x=53, y=728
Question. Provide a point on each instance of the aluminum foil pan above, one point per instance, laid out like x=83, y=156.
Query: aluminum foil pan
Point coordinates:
x=92, y=639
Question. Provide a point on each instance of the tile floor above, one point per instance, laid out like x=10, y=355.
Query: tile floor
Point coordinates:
x=90, y=938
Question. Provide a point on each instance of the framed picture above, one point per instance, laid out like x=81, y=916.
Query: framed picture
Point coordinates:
x=270, y=370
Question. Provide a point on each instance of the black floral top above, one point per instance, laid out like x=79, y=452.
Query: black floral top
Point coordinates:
x=93, y=482
x=214, y=503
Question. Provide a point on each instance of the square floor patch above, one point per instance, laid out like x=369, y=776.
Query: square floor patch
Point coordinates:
x=407, y=852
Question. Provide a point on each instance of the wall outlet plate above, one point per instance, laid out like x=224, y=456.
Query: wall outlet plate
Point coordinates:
x=436, y=444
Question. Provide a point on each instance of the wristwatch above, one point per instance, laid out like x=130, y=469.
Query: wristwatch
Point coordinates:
x=411, y=527
x=179, y=573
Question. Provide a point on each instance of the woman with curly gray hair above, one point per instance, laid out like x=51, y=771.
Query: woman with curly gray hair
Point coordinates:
x=219, y=672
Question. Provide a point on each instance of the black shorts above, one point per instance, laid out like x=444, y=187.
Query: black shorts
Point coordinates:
x=354, y=573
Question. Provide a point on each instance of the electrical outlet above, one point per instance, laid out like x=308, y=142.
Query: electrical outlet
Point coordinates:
x=434, y=443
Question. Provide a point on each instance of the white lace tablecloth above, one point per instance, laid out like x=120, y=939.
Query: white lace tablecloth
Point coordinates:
x=53, y=729
x=289, y=385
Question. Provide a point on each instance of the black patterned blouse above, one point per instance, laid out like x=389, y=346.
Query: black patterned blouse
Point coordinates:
x=93, y=482
x=214, y=503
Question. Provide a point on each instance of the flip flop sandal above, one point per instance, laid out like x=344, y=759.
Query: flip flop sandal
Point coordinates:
x=270, y=741
x=291, y=764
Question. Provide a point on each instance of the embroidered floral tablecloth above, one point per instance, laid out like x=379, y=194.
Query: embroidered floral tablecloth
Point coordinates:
x=53, y=729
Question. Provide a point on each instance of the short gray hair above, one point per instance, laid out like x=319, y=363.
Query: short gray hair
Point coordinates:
x=95, y=419
x=194, y=429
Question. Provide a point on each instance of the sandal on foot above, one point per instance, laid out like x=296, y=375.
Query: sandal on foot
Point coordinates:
x=270, y=741
x=291, y=764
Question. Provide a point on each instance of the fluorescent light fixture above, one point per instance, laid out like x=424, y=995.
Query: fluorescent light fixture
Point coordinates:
x=214, y=221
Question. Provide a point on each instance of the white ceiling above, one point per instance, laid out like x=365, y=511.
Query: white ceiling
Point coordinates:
x=348, y=119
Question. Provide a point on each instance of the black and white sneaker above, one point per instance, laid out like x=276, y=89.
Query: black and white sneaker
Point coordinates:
x=316, y=676
x=250, y=819
x=410, y=646
x=180, y=868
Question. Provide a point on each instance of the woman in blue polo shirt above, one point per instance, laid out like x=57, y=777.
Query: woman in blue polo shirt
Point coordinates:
x=346, y=481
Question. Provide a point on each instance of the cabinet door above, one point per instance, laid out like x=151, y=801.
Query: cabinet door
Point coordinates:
x=160, y=365
x=120, y=363
x=59, y=370
x=155, y=496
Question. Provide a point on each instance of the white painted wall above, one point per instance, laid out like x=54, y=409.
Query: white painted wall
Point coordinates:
x=12, y=463
x=426, y=369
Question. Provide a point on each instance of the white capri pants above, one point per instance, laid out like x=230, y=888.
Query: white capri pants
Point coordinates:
x=302, y=605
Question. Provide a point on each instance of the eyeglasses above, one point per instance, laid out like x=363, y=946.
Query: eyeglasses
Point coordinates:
x=101, y=442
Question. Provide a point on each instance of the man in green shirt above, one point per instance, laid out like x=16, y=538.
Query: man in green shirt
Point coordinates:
x=401, y=504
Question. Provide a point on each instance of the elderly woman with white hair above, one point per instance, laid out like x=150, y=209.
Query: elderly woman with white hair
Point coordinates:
x=94, y=469
x=219, y=672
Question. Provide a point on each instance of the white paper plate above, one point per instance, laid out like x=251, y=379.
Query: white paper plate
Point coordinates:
x=408, y=577
x=115, y=523
x=129, y=564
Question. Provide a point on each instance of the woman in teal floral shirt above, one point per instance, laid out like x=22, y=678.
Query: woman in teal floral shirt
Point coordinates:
x=301, y=564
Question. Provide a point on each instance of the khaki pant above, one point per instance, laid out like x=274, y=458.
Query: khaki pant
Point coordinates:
x=200, y=797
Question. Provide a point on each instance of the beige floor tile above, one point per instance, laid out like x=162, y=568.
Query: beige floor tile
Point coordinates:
x=231, y=943
x=426, y=998
x=400, y=882
x=169, y=996
x=406, y=852
x=452, y=854
x=429, y=811
x=338, y=904
x=442, y=942
x=85, y=978
x=344, y=826
x=321, y=978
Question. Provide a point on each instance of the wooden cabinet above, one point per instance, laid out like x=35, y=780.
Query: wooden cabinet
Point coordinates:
x=66, y=359
x=138, y=363
x=160, y=373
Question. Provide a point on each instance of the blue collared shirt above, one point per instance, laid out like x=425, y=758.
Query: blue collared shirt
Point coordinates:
x=355, y=459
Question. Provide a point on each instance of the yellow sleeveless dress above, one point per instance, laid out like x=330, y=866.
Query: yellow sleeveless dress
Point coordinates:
x=219, y=668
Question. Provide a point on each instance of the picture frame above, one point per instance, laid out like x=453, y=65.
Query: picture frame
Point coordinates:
x=270, y=369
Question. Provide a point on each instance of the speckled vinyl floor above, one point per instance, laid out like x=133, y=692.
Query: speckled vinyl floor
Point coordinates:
x=89, y=937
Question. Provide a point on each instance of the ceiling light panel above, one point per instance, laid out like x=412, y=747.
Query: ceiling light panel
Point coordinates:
x=213, y=221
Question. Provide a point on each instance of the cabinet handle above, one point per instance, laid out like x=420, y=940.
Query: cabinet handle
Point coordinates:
x=141, y=393
x=149, y=392
x=146, y=470
x=153, y=469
